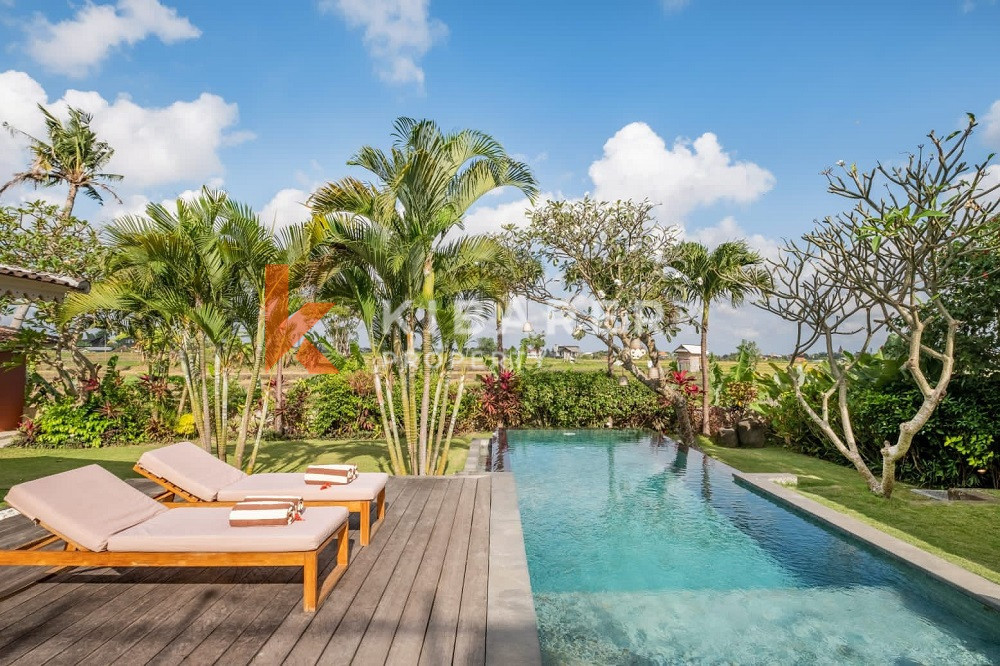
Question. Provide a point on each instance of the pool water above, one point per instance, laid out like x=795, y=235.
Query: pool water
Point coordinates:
x=641, y=552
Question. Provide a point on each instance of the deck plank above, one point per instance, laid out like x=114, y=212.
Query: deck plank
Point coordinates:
x=49, y=620
x=412, y=626
x=314, y=640
x=157, y=608
x=283, y=640
x=418, y=592
x=439, y=642
x=246, y=646
x=470, y=642
x=370, y=625
x=375, y=645
x=78, y=640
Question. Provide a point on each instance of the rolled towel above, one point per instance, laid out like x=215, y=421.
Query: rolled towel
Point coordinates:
x=324, y=475
x=258, y=514
x=297, y=502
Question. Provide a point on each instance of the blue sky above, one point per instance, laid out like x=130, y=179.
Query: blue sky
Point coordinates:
x=270, y=99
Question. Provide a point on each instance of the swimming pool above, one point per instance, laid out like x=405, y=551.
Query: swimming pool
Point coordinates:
x=640, y=552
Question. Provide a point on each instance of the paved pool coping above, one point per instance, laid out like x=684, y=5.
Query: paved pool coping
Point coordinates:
x=975, y=586
x=511, y=623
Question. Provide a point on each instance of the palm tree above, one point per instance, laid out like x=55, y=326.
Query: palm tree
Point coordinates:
x=197, y=267
x=400, y=232
x=730, y=272
x=72, y=155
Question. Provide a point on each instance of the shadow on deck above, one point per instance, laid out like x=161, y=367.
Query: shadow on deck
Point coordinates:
x=418, y=594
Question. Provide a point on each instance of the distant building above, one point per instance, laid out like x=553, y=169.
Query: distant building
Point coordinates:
x=688, y=358
x=568, y=352
x=22, y=284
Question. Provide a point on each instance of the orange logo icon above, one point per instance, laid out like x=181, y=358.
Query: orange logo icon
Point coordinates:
x=282, y=333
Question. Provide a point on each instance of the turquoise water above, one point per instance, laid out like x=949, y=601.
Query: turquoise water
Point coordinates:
x=643, y=553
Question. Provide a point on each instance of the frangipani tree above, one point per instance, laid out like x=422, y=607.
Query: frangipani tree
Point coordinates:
x=613, y=280
x=402, y=256
x=887, y=264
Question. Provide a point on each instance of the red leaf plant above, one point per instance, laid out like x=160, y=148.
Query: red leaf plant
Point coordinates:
x=501, y=399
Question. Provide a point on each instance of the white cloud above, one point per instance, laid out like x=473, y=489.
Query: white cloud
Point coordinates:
x=76, y=46
x=638, y=164
x=286, y=208
x=179, y=143
x=728, y=229
x=991, y=125
x=491, y=219
x=397, y=33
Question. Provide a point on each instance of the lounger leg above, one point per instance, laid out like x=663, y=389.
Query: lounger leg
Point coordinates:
x=380, y=502
x=310, y=582
x=343, y=547
x=366, y=523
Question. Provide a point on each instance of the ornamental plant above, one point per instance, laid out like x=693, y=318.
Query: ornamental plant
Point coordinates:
x=501, y=399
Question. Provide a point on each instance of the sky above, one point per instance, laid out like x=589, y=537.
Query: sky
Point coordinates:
x=724, y=114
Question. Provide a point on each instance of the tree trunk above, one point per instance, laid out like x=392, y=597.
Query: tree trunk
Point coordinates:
x=192, y=390
x=206, y=409
x=181, y=403
x=684, y=430
x=443, y=463
x=258, y=358
x=432, y=424
x=705, y=388
x=279, y=397
x=500, y=309
x=425, y=398
x=265, y=399
x=67, y=209
x=220, y=450
x=388, y=427
x=611, y=362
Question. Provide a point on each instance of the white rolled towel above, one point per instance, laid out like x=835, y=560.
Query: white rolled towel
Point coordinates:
x=321, y=475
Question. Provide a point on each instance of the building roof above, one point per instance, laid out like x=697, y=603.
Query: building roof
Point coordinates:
x=7, y=334
x=694, y=350
x=570, y=348
x=20, y=282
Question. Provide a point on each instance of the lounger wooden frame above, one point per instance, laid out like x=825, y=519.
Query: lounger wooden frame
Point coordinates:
x=362, y=507
x=75, y=555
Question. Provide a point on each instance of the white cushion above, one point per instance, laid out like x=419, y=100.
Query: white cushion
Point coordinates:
x=191, y=468
x=87, y=505
x=207, y=530
x=366, y=486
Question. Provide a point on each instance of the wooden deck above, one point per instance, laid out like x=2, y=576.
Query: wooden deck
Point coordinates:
x=417, y=595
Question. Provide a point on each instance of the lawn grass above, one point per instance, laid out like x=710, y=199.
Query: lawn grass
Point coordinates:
x=25, y=464
x=965, y=533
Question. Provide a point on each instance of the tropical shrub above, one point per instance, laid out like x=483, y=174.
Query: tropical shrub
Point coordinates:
x=108, y=412
x=958, y=447
x=500, y=399
x=589, y=400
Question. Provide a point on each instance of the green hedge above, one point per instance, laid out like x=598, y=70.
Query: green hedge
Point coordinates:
x=960, y=439
x=588, y=400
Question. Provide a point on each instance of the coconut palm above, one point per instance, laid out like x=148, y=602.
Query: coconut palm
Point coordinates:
x=731, y=272
x=71, y=155
x=401, y=231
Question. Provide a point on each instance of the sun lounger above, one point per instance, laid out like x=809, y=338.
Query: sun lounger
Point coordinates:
x=195, y=475
x=107, y=523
